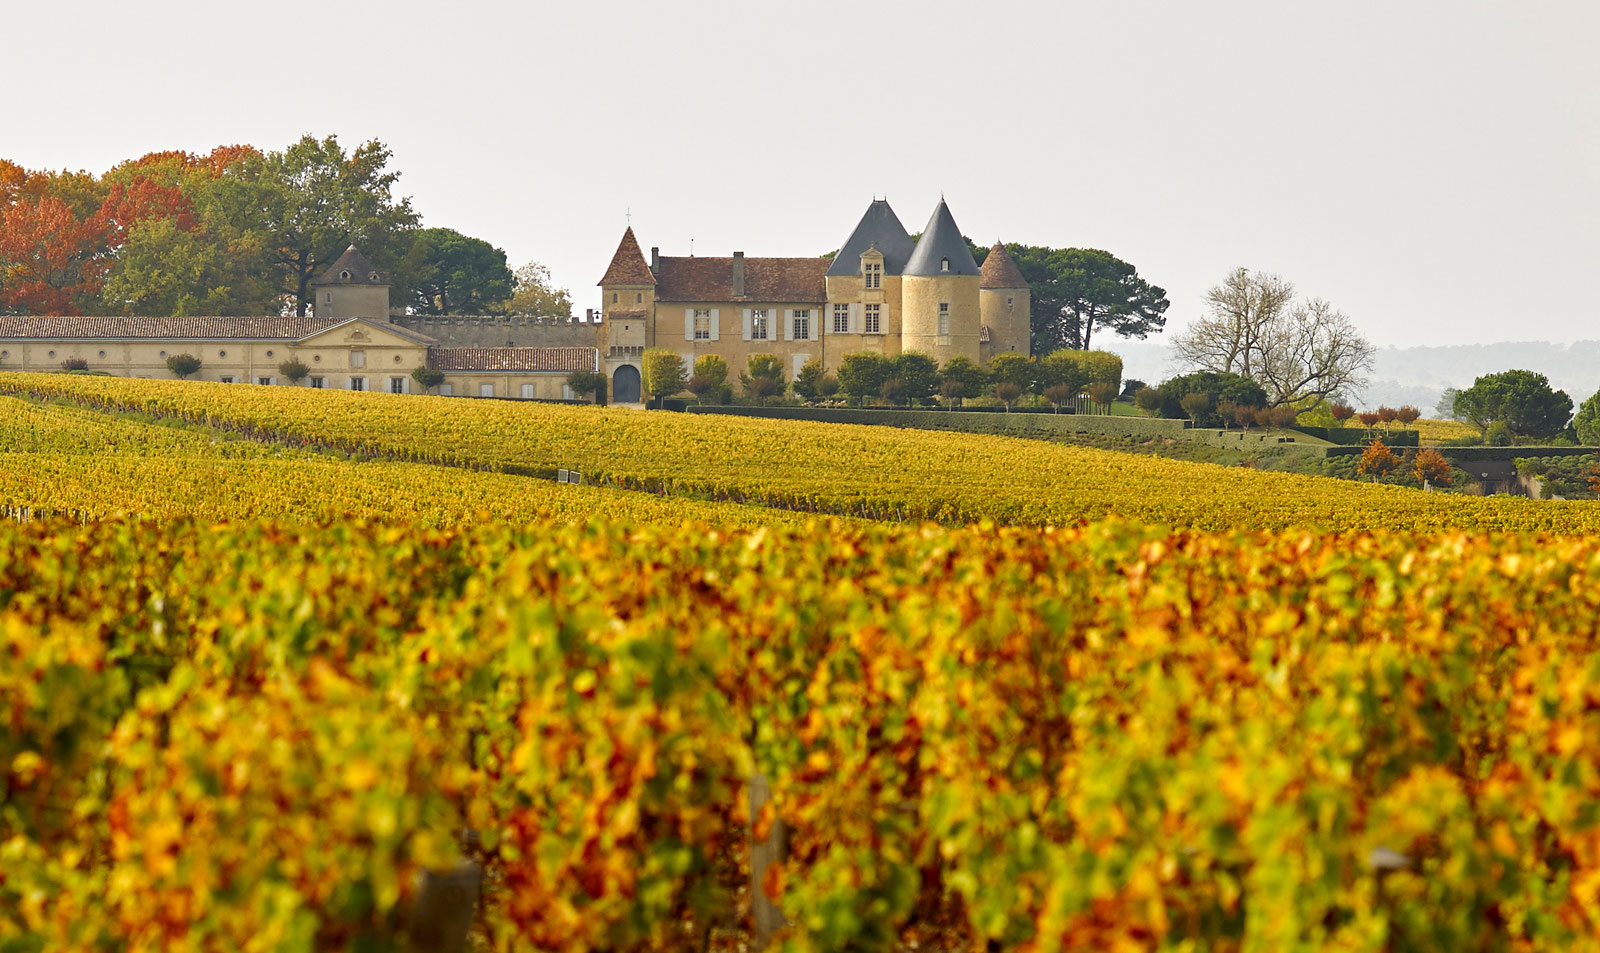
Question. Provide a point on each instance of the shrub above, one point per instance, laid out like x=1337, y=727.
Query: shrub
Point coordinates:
x=712, y=368
x=1015, y=369
x=762, y=378
x=183, y=365
x=426, y=377
x=1368, y=418
x=808, y=383
x=1499, y=435
x=1407, y=415
x=1149, y=400
x=1342, y=412
x=918, y=374
x=662, y=373
x=1216, y=387
x=963, y=379
x=1058, y=394
x=1131, y=387
x=590, y=384
x=75, y=364
x=1102, y=393
x=1195, y=405
x=1377, y=460
x=1386, y=415
x=1006, y=393
x=1430, y=466
x=294, y=370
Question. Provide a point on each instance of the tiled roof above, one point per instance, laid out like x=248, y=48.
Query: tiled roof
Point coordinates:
x=801, y=280
x=264, y=327
x=511, y=358
x=628, y=266
x=354, y=264
x=1000, y=270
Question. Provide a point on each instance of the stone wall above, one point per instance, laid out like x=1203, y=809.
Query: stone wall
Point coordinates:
x=501, y=330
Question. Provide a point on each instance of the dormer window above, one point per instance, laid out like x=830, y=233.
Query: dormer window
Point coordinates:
x=872, y=271
x=944, y=264
x=373, y=276
x=344, y=276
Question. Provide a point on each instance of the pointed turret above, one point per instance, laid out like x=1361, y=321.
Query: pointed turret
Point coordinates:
x=1005, y=303
x=351, y=288
x=879, y=228
x=628, y=266
x=941, y=250
x=1000, y=270
x=351, y=268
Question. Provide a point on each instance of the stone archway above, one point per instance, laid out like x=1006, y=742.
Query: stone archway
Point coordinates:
x=625, y=385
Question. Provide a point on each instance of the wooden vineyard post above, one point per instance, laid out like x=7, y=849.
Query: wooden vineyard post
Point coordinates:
x=764, y=914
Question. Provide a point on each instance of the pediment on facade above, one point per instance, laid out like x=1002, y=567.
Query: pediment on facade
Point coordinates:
x=362, y=332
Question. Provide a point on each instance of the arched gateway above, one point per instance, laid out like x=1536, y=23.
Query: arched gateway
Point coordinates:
x=625, y=385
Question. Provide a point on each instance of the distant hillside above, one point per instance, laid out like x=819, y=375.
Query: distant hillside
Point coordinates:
x=1418, y=375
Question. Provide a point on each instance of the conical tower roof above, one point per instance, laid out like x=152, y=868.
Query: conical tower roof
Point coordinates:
x=1000, y=270
x=941, y=241
x=351, y=268
x=879, y=228
x=628, y=266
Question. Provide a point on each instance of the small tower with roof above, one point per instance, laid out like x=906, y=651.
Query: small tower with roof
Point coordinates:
x=627, y=317
x=940, y=316
x=351, y=288
x=1004, y=300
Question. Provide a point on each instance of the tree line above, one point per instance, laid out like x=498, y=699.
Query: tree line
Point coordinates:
x=240, y=231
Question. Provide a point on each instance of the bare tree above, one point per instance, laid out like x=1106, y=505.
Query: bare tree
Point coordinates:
x=1240, y=314
x=1294, y=351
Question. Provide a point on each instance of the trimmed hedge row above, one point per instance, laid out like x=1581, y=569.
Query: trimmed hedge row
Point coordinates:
x=1359, y=437
x=966, y=421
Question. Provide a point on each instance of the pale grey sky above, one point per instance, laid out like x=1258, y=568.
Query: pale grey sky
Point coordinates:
x=1431, y=167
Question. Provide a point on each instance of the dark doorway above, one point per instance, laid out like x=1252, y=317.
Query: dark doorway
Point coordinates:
x=625, y=385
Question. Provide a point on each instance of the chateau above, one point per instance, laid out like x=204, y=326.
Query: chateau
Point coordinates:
x=883, y=292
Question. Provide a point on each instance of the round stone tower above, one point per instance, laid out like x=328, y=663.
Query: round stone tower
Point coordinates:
x=940, y=315
x=1005, y=301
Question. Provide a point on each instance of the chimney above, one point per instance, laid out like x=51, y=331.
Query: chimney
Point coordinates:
x=738, y=274
x=655, y=260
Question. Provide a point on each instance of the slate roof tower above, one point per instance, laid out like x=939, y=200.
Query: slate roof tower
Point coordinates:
x=351, y=288
x=940, y=316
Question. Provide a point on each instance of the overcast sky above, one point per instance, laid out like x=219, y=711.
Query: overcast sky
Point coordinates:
x=1433, y=168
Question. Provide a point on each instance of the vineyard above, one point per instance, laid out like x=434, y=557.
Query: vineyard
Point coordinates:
x=840, y=470
x=267, y=657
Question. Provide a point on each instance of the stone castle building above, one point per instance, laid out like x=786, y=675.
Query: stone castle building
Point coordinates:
x=883, y=292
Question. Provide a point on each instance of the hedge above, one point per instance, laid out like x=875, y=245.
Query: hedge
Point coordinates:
x=1027, y=424
x=1360, y=437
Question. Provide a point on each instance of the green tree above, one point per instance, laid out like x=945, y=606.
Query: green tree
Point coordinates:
x=1079, y=291
x=1523, y=400
x=712, y=369
x=446, y=272
x=427, y=378
x=589, y=384
x=535, y=294
x=315, y=199
x=183, y=365
x=917, y=373
x=1064, y=374
x=763, y=377
x=293, y=370
x=861, y=375
x=1015, y=369
x=662, y=373
x=962, y=378
x=1587, y=421
x=1236, y=389
x=808, y=383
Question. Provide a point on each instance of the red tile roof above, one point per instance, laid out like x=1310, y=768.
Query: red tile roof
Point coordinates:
x=628, y=266
x=778, y=280
x=560, y=359
x=264, y=327
x=1000, y=270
